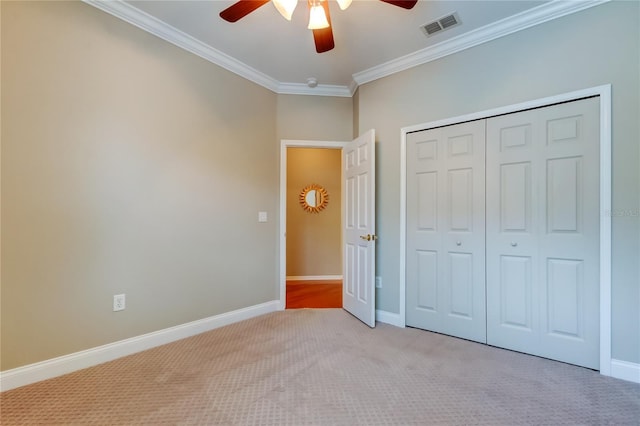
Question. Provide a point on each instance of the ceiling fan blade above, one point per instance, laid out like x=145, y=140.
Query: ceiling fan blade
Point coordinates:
x=324, y=37
x=241, y=9
x=405, y=4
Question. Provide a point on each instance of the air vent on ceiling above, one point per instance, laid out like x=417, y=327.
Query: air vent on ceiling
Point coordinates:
x=449, y=21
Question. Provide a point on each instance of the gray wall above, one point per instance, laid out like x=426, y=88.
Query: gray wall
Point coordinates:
x=324, y=118
x=597, y=46
x=128, y=166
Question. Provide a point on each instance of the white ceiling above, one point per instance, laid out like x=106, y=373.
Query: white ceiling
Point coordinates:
x=372, y=38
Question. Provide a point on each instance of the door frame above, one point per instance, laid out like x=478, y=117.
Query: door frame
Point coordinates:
x=282, y=227
x=604, y=92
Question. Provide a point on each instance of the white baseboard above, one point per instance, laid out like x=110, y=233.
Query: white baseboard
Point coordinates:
x=625, y=370
x=389, y=318
x=314, y=277
x=48, y=369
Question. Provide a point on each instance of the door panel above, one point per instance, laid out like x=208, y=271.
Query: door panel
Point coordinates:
x=564, y=186
x=445, y=230
x=460, y=199
x=427, y=280
x=512, y=228
x=565, y=284
x=349, y=274
x=363, y=273
x=570, y=246
x=427, y=193
x=358, y=160
x=362, y=188
x=461, y=285
x=515, y=298
x=515, y=207
x=543, y=206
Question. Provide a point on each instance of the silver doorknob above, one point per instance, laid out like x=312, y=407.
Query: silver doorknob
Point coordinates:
x=458, y=243
x=514, y=244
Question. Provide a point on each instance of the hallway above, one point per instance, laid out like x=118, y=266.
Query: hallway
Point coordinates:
x=314, y=294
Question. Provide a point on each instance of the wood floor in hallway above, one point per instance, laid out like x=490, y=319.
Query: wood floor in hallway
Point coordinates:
x=314, y=294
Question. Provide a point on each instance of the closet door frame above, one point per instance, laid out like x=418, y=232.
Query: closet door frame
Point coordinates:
x=604, y=92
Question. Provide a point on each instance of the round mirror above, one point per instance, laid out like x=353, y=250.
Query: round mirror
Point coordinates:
x=314, y=198
x=310, y=198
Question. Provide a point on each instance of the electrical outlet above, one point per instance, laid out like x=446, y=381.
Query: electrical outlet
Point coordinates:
x=118, y=302
x=378, y=282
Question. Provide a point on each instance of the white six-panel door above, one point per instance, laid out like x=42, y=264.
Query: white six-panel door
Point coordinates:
x=542, y=232
x=445, y=230
x=358, y=168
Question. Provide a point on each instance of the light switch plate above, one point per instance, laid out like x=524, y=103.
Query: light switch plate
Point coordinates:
x=262, y=216
x=118, y=302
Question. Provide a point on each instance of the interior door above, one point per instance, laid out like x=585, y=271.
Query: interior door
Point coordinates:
x=543, y=232
x=358, y=171
x=445, y=230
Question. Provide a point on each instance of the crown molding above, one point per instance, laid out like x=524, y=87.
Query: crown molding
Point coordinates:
x=319, y=90
x=538, y=15
x=353, y=87
x=529, y=18
x=146, y=22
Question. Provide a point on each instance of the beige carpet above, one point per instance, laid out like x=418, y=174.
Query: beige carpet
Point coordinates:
x=323, y=367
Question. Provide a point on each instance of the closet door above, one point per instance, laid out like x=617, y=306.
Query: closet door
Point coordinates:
x=445, y=230
x=543, y=232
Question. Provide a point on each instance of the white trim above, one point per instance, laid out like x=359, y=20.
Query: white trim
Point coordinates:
x=605, y=228
x=284, y=144
x=604, y=92
x=625, y=370
x=314, y=277
x=535, y=16
x=65, y=364
x=319, y=90
x=353, y=86
x=512, y=24
x=389, y=318
x=403, y=227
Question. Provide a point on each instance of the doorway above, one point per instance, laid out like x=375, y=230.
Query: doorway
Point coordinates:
x=313, y=227
x=310, y=243
x=357, y=206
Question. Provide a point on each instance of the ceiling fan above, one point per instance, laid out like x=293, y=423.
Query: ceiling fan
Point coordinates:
x=319, y=19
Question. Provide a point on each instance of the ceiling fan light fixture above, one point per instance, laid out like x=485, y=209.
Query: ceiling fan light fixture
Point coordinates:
x=344, y=4
x=317, y=17
x=285, y=7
